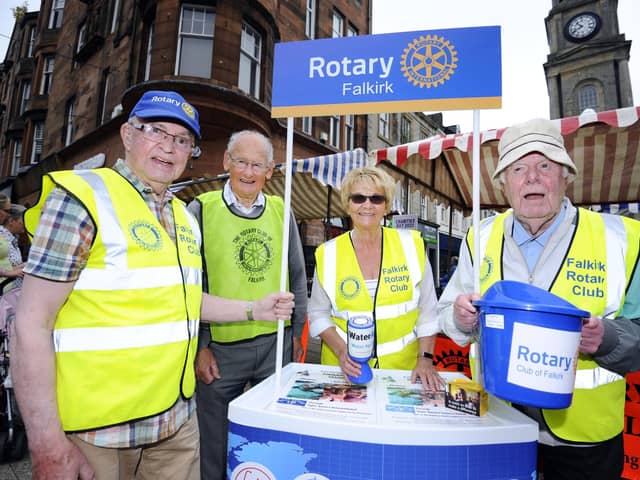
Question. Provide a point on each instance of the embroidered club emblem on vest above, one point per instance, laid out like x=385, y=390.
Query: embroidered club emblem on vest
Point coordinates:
x=486, y=268
x=349, y=287
x=146, y=235
x=254, y=253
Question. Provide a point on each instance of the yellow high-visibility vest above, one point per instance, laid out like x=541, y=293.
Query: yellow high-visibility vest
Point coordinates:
x=125, y=339
x=396, y=302
x=249, y=249
x=599, y=394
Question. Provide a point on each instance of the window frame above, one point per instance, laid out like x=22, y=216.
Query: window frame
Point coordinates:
x=68, y=130
x=56, y=14
x=310, y=19
x=255, y=61
x=48, y=66
x=337, y=16
x=334, y=131
x=384, y=121
x=37, y=143
x=182, y=35
x=16, y=156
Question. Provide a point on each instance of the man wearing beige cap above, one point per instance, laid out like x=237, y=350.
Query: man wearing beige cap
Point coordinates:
x=546, y=241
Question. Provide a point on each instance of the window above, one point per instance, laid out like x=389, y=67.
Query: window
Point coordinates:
x=310, y=21
x=55, y=19
x=250, y=55
x=352, y=31
x=115, y=16
x=47, y=74
x=147, y=62
x=588, y=98
x=32, y=41
x=334, y=131
x=68, y=122
x=26, y=95
x=38, y=140
x=195, y=44
x=307, y=125
x=383, y=125
x=405, y=130
x=349, y=121
x=82, y=36
x=17, y=156
x=337, y=26
x=103, y=109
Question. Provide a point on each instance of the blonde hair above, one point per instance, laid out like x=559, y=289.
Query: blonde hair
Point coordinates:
x=373, y=175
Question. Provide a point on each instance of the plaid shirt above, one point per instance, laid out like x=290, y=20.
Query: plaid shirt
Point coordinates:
x=59, y=252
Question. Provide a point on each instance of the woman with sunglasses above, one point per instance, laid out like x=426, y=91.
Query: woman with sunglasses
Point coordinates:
x=382, y=274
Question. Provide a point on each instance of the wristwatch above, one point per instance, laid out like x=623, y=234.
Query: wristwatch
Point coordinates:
x=426, y=355
x=249, y=311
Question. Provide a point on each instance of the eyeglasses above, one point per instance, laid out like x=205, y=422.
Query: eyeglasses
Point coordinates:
x=158, y=135
x=375, y=199
x=242, y=164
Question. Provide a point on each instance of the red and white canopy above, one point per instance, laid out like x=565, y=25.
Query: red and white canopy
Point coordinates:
x=604, y=147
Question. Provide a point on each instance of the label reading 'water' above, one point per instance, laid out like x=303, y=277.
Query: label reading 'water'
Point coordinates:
x=543, y=359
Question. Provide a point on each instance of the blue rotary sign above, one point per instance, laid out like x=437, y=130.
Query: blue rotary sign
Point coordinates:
x=452, y=69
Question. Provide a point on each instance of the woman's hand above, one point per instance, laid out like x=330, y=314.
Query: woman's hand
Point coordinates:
x=426, y=372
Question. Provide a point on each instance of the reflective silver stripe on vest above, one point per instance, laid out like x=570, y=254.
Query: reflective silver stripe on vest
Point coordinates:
x=129, y=279
x=114, y=338
x=595, y=377
x=112, y=234
x=616, y=243
x=116, y=275
x=384, y=311
x=388, y=348
x=330, y=272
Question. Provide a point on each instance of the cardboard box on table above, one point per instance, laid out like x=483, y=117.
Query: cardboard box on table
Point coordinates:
x=318, y=427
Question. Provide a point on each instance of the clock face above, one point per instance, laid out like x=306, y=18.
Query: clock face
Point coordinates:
x=582, y=27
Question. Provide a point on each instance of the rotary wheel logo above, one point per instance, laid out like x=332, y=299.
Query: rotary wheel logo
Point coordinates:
x=253, y=254
x=146, y=235
x=349, y=287
x=429, y=61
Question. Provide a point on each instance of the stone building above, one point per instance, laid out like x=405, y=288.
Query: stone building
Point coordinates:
x=588, y=62
x=73, y=71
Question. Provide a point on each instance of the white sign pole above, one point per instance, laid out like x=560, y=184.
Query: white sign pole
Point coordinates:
x=285, y=247
x=477, y=373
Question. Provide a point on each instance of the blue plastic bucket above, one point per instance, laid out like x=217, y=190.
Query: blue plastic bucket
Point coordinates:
x=529, y=342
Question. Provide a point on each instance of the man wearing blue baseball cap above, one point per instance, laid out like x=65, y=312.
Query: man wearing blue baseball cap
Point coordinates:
x=103, y=354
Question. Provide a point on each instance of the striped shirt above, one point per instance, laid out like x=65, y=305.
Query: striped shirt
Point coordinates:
x=59, y=252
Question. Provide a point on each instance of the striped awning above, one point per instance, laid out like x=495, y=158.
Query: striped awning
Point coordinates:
x=313, y=188
x=604, y=147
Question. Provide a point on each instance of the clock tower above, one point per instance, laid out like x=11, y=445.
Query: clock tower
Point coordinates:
x=587, y=66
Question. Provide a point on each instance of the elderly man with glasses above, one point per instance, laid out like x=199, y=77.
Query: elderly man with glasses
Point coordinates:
x=242, y=248
x=106, y=328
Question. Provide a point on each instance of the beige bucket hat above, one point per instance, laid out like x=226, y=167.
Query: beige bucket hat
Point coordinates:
x=537, y=135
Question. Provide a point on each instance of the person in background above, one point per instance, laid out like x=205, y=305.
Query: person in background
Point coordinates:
x=587, y=258
x=242, y=232
x=11, y=228
x=7, y=269
x=106, y=328
x=381, y=271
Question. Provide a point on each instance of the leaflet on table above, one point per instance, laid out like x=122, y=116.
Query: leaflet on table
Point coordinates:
x=400, y=401
x=323, y=391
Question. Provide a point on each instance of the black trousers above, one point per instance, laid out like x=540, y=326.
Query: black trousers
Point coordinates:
x=601, y=462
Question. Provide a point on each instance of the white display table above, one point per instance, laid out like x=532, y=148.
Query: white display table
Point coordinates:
x=315, y=427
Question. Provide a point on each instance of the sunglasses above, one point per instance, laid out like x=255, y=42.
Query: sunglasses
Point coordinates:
x=376, y=199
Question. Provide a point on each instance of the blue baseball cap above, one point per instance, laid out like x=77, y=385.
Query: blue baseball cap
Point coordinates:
x=170, y=105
